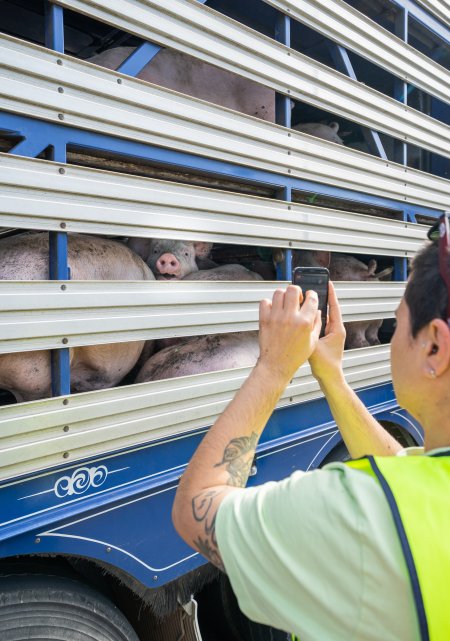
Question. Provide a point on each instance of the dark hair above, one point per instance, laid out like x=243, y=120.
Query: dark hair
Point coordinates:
x=426, y=292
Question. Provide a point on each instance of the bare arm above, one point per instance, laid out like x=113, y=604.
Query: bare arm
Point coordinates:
x=223, y=460
x=361, y=432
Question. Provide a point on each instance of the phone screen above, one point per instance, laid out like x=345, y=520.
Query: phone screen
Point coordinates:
x=315, y=278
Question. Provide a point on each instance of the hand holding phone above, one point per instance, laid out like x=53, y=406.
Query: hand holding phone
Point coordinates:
x=315, y=278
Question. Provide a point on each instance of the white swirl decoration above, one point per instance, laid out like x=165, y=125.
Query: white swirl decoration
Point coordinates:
x=81, y=480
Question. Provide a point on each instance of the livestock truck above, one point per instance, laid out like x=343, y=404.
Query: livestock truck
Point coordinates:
x=87, y=480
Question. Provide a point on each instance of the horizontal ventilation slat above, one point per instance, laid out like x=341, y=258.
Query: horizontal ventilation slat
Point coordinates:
x=92, y=99
x=32, y=437
x=207, y=34
x=343, y=24
x=36, y=196
x=39, y=315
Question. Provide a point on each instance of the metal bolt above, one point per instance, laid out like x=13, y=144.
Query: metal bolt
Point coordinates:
x=289, y=135
x=66, y=428
x=60, y=90
x=62, y=171
x=291, y=399
x=66, y=401
x=119, y=81
x=289, y=207
x=66, y=455
x=289, y=153
x=63, y=287
x=289, y=171
x=61, y=116
x=155, y=577
x=289, y=53
x=59, y=61
x=108, y=549
x=65, y=341
x=290, y=243
x=37, y=540
x=289, y=91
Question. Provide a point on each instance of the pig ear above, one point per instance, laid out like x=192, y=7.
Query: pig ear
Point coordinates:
x=334, y=126
x=385, y=274
x=202, y=250
x=323, y=258
x=372, y=266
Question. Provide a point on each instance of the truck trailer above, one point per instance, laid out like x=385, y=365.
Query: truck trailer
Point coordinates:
x=87, y=479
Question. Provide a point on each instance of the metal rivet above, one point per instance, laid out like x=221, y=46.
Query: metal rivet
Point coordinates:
x=62, y=171
x=289, y=171
x=60, y=90
x=289, y=207
x=155, y=577
x=66, y=428
x=63, y=225
x=108, y=549
x=289, y=135
x=291, y=399
x=59, y=61
x=63, y=287
x=289, y=53
x=66, y=455
x=37, y=540
x=119, y=81
x=61, y=116
x=65, y=341
x=289, y=91
x=66, y=401
x=290, y=243
x=289, y=153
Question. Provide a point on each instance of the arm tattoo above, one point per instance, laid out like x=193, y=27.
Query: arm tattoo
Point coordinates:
x=238, y=458
x=204, y=511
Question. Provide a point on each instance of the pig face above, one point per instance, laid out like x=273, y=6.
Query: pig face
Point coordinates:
x=175, y=259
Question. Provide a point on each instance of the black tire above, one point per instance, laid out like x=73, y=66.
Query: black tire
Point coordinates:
x=55, y=608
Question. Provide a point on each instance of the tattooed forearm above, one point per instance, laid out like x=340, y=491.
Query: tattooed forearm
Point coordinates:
x=238, y=457
x=204, y=511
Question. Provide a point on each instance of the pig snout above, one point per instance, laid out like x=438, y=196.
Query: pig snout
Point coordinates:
x=168, y=265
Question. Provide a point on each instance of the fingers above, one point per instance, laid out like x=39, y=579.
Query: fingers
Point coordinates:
x=293, y=298
x=265, y=307
x=309, y=308
x=335, y=316
x=317, y=325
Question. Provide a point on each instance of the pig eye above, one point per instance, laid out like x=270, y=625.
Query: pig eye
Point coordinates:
x=186, y=254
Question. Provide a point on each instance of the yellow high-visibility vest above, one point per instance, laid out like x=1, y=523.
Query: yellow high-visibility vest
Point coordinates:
x=417, y=489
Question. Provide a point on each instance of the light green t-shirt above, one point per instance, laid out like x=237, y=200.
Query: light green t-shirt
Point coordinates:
x=318, y=555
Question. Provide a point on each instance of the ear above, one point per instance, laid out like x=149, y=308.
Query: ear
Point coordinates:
x=334, y=126
x=202, y=250
x=437, y=343
x=372, y=267
x=323, y=258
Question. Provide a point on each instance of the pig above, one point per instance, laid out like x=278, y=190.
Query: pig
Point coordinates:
x=181, y=72
x=202, y=354
x=321, y=130
x=176, y=260
x=25, y=257
x=344, y=267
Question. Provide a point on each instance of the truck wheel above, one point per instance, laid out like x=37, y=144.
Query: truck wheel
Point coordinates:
x=54, y=608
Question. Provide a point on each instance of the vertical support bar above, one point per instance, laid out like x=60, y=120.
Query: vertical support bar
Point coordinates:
x=58, y=248
x=54, y=27
x=400, y=86
x=283, y=111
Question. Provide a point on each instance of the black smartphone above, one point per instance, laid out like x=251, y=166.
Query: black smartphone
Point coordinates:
x=315, y=278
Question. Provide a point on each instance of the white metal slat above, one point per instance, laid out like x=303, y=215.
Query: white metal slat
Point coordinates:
x=343, y=24
x=204, y=33
x=39, y=315
x=439, y=8
x=139, y=111
x=32, y=436
x=36, y=196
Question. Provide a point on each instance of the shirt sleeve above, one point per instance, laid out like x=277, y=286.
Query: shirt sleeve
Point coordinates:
x=292, y=551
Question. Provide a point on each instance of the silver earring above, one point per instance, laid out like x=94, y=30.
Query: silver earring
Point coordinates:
x=432, y=373
x=423, y=345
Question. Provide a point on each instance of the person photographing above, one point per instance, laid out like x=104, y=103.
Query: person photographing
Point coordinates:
x=351, y=551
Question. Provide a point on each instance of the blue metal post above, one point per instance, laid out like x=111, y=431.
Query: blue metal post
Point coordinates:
x=283, y=109
x=343, y=64
x=58, y=248
x=401, y=87
x=140, y=57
